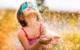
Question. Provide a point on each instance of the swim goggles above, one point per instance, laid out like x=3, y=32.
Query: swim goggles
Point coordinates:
x=25, y=6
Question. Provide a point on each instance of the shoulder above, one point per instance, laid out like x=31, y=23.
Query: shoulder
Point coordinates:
x=20, y=32
x=22, y=38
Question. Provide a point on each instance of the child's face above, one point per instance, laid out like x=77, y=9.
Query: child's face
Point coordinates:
x=31, y=9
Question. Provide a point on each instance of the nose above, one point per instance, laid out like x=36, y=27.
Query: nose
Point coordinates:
x=30, y=8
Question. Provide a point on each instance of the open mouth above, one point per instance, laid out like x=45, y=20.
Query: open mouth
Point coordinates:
x=31, y=9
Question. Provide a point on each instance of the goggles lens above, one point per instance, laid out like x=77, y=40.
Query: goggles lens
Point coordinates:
x=24, y=6
x=33, y=6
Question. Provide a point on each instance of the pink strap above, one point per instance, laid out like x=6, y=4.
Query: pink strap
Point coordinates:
x=25, y=32
x=40, y=31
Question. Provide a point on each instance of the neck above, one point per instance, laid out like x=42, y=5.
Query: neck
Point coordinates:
x=32, y=21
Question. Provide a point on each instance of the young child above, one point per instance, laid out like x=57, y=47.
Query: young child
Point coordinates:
x=31, y=35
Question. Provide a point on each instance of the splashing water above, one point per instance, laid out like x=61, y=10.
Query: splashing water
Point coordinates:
x=49, y=32
x=60, y=22
x=48, y=26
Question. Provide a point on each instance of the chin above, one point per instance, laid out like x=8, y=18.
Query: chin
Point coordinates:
x=31, y=13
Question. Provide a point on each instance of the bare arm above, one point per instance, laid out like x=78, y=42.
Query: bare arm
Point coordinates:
x=25, y=43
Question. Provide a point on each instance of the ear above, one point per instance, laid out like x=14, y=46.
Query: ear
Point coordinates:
x=21, y=18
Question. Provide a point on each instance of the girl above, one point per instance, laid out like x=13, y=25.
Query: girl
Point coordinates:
x=31, y=34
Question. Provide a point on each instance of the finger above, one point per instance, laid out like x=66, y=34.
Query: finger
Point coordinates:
x=43, y=36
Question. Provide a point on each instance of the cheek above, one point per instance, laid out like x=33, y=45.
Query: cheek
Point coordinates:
x=25, y=12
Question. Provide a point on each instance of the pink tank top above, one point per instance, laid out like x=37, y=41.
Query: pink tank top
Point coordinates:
x=33, y=40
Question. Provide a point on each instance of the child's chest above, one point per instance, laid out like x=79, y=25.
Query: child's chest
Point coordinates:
x=33, y=32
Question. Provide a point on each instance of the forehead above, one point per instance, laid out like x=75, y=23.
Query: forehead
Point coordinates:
x=29, y=2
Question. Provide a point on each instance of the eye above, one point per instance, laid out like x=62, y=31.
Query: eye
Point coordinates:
x=34, y=5
x=24, y=6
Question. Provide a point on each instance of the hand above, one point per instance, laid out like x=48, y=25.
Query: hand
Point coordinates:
x=45, y=40
x=47, y=47
x=55, y=40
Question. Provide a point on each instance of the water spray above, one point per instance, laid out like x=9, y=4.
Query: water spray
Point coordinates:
x=48, y=31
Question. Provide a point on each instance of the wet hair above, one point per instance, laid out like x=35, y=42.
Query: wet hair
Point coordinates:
x=19, y=14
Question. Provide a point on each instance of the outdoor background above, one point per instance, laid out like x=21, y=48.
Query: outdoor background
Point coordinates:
x=62, y=16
